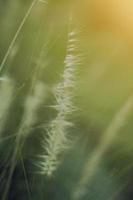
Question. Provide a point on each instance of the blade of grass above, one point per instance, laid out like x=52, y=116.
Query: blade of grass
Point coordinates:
x=17, y=33
x=106, y=141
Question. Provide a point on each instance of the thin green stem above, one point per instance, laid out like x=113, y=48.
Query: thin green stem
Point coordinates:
x=17, y=34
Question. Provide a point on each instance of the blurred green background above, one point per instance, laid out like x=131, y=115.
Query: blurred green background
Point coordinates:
x=104, y=83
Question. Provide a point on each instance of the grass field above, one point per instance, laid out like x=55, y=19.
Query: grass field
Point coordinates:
x=66, y=100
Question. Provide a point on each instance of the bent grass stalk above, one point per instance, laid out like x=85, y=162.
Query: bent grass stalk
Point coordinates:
x=31, y=106
x=18, y=32
x=56, y=140
x=106, y=141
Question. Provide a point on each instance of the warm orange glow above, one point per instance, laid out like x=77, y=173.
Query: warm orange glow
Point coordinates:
x=108, y=15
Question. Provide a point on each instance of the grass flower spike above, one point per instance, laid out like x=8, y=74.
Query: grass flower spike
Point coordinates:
x=56, y=140
x=31, y=106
